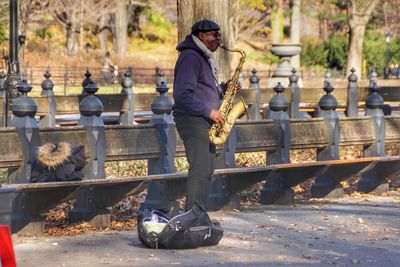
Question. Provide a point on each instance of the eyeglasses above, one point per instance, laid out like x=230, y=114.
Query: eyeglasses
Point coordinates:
x=216, y=34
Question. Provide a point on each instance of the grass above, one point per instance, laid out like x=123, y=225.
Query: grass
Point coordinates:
x=262, y=57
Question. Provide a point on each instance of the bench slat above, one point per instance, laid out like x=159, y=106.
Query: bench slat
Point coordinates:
x=182, y=175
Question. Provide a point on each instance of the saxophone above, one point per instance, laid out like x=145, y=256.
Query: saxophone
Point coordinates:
x=220, y=132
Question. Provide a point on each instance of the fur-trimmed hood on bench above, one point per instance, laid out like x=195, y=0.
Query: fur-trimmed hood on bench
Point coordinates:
x=52, y=156
x=60, y=162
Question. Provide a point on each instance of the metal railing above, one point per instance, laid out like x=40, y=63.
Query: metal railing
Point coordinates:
x=71, y=77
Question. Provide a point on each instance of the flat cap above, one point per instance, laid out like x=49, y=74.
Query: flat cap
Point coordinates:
x=205, y=25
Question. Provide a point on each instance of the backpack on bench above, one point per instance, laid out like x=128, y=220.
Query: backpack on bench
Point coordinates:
x=188, y=230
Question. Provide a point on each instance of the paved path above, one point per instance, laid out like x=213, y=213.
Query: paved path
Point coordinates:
x=362, y=231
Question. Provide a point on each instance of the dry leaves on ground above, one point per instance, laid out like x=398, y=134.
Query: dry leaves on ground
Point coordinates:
x=123, y=214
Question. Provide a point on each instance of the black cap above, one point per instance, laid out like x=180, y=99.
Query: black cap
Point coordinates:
x=205, y=25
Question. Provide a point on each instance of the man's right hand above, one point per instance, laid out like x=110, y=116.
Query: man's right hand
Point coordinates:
x=216, y=116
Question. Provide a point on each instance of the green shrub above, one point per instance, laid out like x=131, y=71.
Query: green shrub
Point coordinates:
x=159, y=28
x=43, y=33
x=159, y=20
x=313, y=53
x=332, y=53
x=3, y=24
x=375, y=50
x=3, y=33
x=337, y=47
x=3, y=175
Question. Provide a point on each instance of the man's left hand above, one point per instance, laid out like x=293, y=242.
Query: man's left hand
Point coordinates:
x=236, y=87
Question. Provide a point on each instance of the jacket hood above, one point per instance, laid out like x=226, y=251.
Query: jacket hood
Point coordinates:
x=53, y=156
x=188, y=43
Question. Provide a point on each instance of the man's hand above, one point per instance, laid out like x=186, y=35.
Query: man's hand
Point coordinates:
x=216, y=116
x=236, y=87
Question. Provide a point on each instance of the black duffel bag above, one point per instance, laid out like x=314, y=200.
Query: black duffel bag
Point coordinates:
x=191, y=229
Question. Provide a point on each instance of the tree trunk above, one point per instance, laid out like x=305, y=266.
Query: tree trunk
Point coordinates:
x=190, y=11
x=121, y=28
x=354, y=59
x=321, y=21
x=72, y=41
x=81, y=31
x=295, y=30
x=358, y=13
x=103, y=34
x=232, y=29
x=72, y=36
x=277, y=21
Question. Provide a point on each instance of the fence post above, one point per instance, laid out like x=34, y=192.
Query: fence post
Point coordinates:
x=352, y=95
x=65, y=80
x=295, y=95
x=24, y=110
x=373, y=78
x=275, y=192
x=30, y=73
x=126, y=117
x=47, y=90
x=374, y=105
x=162, y=195
x=91, y=109
x=328, y=105
x=219, y=194
x=3, y=96
x=160, y=77
x=254, y=110
x=240, y=79
x=86, y=208
x=14, y=210
x=373, y=179
x=86, y=81
x=328, y=184
x=328, y=78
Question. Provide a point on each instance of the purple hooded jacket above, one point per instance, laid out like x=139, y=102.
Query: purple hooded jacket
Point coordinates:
x=195, y=90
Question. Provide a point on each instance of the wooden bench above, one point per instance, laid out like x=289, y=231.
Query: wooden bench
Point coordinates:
x=31, y=200
x=22, y=204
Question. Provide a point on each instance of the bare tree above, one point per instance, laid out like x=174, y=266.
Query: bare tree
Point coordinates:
x=190, y=11
x=246, y=18
x=67, y=13
x=165, y=7
x=29, y=11
x=119, y=24
x=74, y=15
x=388, y=13
x=121, y=28
x=359, y=13
x=295, y=30
x=102, y=32
x=3, y=4
x=277, y=21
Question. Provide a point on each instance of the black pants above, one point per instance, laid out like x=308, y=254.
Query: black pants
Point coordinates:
x=200, y=154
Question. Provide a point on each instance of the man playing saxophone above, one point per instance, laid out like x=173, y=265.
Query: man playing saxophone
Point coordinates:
x=197, y=96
